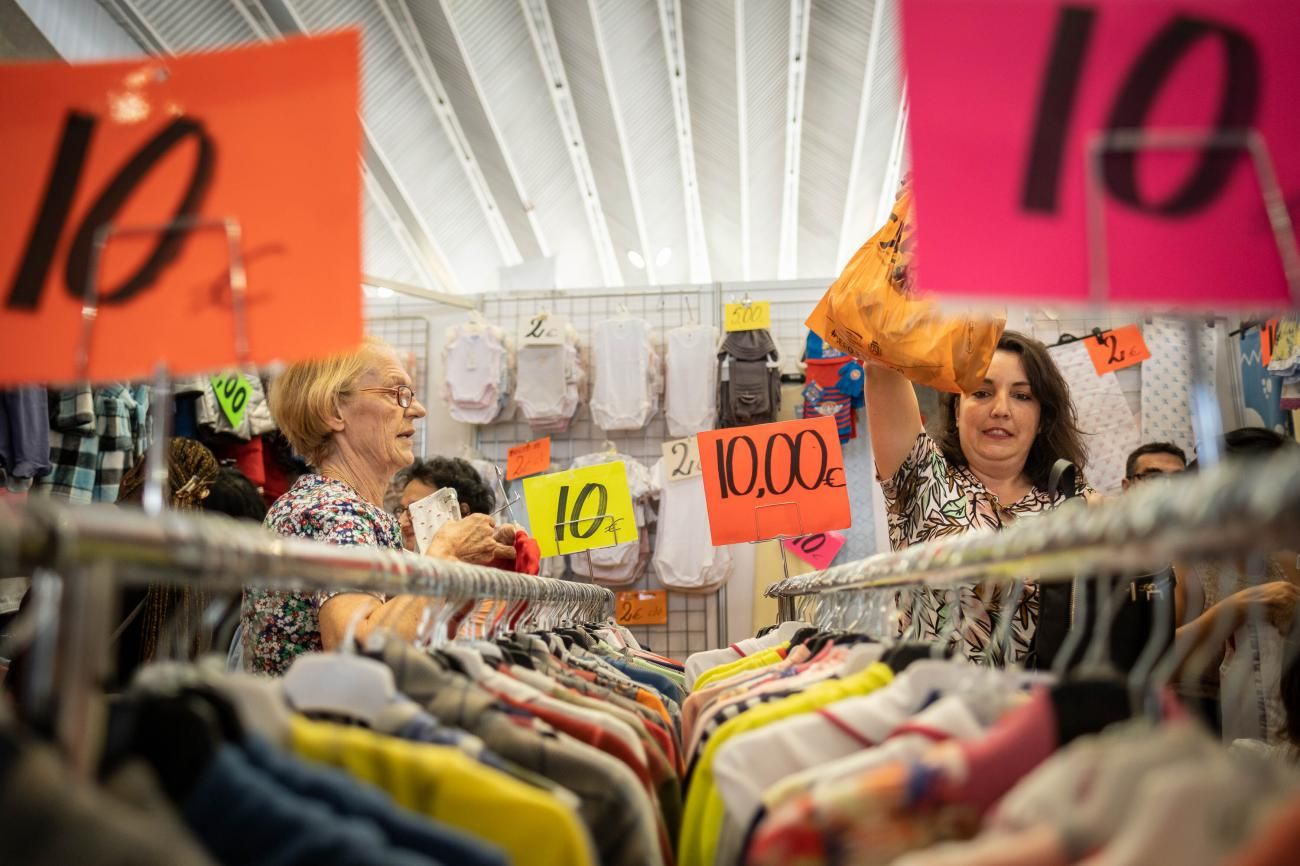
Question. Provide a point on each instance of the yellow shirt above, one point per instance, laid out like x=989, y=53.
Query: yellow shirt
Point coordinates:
x=730, y=669
x=449, y=786
x=705, y=809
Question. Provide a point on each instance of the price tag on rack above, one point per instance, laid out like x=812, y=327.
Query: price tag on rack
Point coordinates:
x=774, y=480
x=1117, y=348
x=137, y=145
x=543, y=329
x=1072, y=110
x=681, y=459
x=529, y=458
x=818, y=549
x=641, y=607
x=749, y=316
x=580, y=509
x=232, y=391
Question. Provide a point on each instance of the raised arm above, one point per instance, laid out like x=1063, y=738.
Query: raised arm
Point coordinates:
x=894, y=417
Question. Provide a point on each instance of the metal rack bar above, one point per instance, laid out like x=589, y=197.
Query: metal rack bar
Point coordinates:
x=217, y=552
x=1232, y=507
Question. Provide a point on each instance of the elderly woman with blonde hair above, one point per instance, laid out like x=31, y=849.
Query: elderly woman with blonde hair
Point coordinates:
x=352, y=417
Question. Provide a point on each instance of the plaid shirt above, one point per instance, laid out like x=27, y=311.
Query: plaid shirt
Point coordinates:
x=95, y=437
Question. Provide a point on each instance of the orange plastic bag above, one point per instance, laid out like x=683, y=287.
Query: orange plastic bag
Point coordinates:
x=872, y=313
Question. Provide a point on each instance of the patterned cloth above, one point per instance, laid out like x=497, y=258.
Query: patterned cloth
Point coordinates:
x=1110, y=430
x=930, y=498
x=1167, y=380
x=278, y=626
x=95, y=437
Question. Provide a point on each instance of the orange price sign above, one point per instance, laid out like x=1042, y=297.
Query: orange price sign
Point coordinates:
x=1267, y=339
x=162, y=185
x=774, y=480
x=1117, y=349
x=529, y=458
x=641, y=607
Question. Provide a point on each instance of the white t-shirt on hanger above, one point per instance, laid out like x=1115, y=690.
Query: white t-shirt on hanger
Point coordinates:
x=621, y=354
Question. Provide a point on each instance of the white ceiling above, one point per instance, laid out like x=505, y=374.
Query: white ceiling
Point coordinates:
x=637, y=142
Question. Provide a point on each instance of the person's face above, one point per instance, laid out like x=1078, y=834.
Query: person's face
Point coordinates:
x=1150, y=466
x=375, y=429
x=998, y=421
x=414, y=492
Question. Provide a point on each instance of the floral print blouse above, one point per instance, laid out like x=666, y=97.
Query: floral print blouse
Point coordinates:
x=930, y=498
x=278, y=626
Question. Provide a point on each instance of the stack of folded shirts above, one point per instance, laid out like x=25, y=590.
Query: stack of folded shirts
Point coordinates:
x=477, y=359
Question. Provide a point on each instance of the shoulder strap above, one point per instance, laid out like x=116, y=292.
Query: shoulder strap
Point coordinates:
x=1062, y=480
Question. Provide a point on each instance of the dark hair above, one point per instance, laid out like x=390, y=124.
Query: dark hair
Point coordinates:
x=1252, y=442
x=1152, y=448
x=457, y=474
x=232, y=493
x=1059, y=437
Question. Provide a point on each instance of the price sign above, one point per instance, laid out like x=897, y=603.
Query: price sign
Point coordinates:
x=1117, y=348
x=1029, y=90
x=771, y=480
x=239, y=135
x=543, y=329
x=529, y=458
x=750, y=316
x=232, y=391
x=681, y=459
x=641, y=607
x=1267, y=339
x=817, y=550
x=580, y=509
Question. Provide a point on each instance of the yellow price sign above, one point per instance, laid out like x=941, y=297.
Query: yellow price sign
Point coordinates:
x=748, y=316
x=580, y=509
x=641, y=607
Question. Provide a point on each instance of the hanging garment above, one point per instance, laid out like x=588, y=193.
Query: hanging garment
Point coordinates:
x=476, y=361
x=1110, y=430
x=749, y=379
x=624, y=563
x=1167, y=379
x=551, y=379
x=836, y=387
x=24, y=437
x=685, y=558
x=95, y=437
x=690, y=396
x=256, y=421
x=623, y=361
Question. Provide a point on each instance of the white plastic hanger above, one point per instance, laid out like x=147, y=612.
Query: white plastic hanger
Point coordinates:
x=341, y=683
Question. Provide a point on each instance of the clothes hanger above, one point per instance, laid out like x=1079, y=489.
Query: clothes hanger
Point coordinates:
x=341, y=683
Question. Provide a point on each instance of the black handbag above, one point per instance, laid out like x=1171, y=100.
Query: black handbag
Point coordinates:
x=1133, y=614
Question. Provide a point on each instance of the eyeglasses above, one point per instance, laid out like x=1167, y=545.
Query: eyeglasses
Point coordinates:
x=1152, y=473
x=405, y=396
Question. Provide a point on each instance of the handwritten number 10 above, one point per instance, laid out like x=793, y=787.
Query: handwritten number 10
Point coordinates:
x=61, y=190
x=563, y=518
x=1238, y=107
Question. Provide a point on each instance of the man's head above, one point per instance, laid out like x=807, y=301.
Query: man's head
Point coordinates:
x=1152, y=461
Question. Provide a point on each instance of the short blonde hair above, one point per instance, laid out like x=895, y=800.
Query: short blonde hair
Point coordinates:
x=304, y=396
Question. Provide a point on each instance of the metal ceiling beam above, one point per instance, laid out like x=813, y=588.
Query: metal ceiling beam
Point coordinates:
x=398, y=16
x=788, y=257
x=742, y=126
x=429, y=256
x=542, y=32
x=670, y=17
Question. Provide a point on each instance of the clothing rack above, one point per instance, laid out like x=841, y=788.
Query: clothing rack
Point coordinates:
x=217, y=552
x=1234, y=506
x=93, y=549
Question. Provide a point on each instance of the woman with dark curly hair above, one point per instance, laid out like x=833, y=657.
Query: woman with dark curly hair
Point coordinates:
x=986, y=463
x=426, y=477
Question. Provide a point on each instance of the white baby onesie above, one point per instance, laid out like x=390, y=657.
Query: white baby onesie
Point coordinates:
x=691, y=398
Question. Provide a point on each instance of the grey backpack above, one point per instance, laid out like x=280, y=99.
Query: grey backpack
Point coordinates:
x=749, y=379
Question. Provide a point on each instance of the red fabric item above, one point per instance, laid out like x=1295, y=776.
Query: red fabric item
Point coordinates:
x=528, y=556
x=1018, y=743
x=249, y=460
x=1276, y=842
x=277, y=483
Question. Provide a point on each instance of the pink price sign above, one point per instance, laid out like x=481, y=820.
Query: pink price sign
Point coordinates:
x=817, y=550
x=1062, y=150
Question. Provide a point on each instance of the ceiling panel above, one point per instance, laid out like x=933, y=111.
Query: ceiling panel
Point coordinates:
x=749, y=138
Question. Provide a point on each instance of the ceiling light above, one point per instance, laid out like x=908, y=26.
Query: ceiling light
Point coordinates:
x=636, y=259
